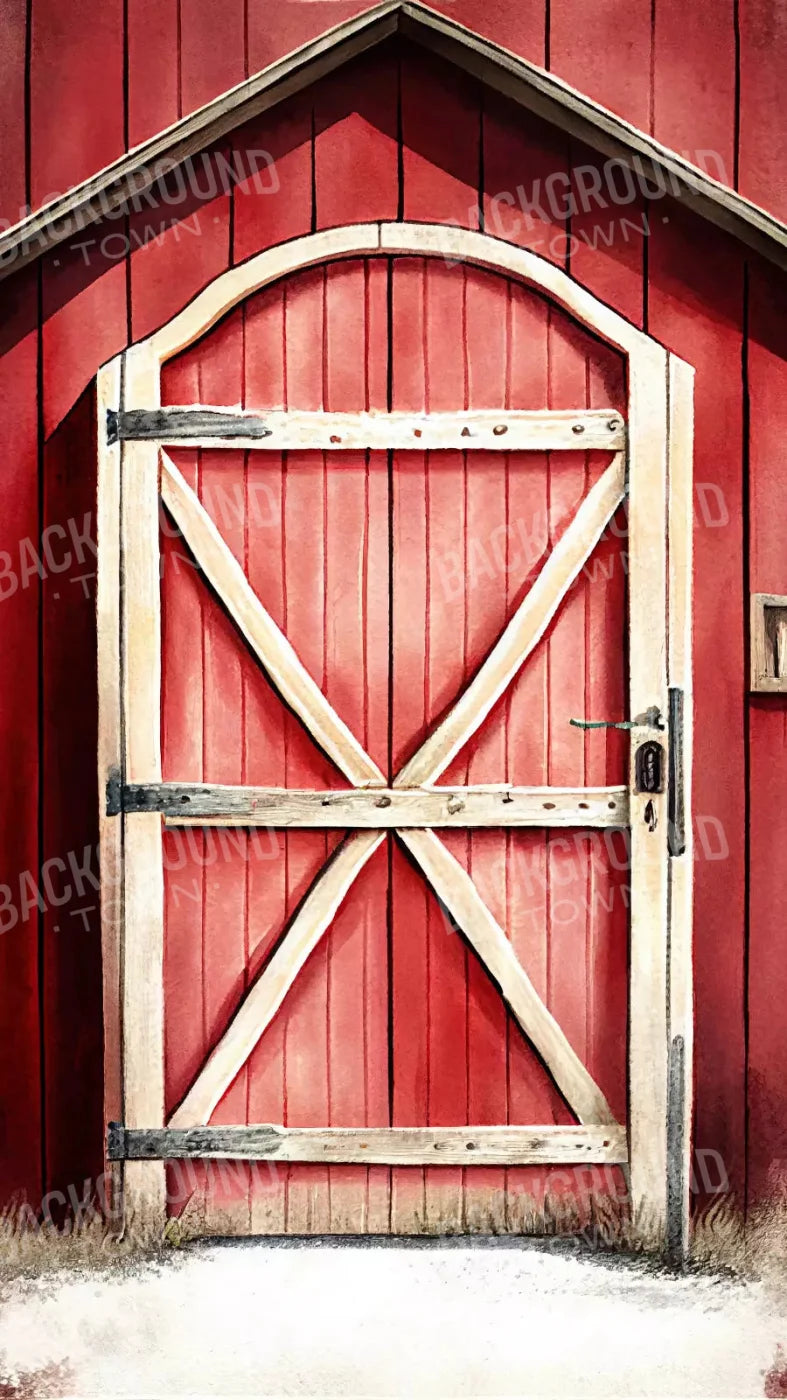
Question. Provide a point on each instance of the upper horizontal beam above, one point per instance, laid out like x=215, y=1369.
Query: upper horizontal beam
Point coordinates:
x=530, y=87
x=499, y=430
x=189, y=804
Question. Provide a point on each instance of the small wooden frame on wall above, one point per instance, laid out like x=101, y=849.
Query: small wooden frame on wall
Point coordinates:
x=769, y=643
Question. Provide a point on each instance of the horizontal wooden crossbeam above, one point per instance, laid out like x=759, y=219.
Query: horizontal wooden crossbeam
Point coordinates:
x=202, y=804
x=492, y=430
x=471, y=1146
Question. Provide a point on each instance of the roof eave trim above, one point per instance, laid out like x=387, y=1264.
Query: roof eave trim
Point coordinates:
x=528, y=86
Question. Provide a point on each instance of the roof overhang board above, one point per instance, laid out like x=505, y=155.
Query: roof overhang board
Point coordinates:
x=523, y=83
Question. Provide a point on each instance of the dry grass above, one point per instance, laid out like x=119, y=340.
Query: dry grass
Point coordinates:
x=752, y=1247
x=32, y=1247
x=721, y=1239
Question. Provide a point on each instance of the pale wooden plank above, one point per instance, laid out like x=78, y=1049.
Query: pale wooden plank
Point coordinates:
x=266, y=995
x=110, y=746
x=274, y=263
x=456, y=891
x=489, y=430
x=768, y=640
x=681, y=867
x=143, y=933
x=467, y=245
x=203, y=804
x=462, y=1146
x=522, y=633
x=648, y=1026
x=276, y=654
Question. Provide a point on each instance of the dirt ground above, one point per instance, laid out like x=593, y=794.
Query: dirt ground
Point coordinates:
x=326, y=1319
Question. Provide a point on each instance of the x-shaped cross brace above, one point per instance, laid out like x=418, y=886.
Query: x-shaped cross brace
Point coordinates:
x=448, y=878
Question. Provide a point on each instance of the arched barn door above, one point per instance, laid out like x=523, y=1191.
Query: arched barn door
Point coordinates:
x=394, y=575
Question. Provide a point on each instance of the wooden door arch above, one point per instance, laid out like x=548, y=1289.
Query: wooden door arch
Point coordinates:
x=652, y=466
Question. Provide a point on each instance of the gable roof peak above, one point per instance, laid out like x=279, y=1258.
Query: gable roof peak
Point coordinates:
x=532, y=88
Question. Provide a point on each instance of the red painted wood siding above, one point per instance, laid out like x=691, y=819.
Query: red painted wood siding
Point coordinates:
x=702, y=77
x=428, y=561
x=684, y=282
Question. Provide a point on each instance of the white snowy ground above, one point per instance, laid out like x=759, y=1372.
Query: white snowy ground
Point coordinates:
x=256, y=1319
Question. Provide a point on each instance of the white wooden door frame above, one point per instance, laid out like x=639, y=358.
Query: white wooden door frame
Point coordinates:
x=659, y=483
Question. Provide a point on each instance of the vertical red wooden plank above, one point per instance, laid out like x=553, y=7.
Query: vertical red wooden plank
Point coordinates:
x=72, y=991
x=522, y=29
x=76, y=51
x=408, y=906
x=266, y=723
x=377, y=731
x=274, y=200
x=504, y=21
x=526, y=184
x=153, y=66
x=447, y=662
x=20, y=1066
x=355, y=545
x=212, y=50
x=484, y=759
x=273, y=33
x=694, y=83
x=85, y=317
x=225, y=898
x=604, y=583
x=567, y=913
x=440, y=158
x=356, y=143
x=532, y=1097
x=608, y=61
x=610, y=220
x=308, y=1199
x=13, y=58
x=767, y=985
x=695, y=307
x=767, y=982
x=184, y=852
x=762, y=150
x=179, y=247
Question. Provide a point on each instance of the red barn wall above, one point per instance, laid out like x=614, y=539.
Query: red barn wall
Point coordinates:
x=81, y=83
x=397, y=135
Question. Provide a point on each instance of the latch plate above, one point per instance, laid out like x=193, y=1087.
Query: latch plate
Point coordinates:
x=649, y=767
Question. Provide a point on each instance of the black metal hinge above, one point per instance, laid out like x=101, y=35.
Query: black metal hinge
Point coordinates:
x=114, y=793
x=167, y=424
x=117, y=1145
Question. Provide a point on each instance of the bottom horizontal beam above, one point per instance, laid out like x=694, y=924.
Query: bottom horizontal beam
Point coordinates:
x=482, y=1146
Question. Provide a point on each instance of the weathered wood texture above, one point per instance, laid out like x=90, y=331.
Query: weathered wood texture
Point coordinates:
x=334, y=432
x=184, y=804
x=501, y=1146
x=683, y=281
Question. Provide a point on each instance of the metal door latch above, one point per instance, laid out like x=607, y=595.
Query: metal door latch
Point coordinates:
x=649, y=767
x=651, y=719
